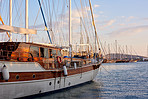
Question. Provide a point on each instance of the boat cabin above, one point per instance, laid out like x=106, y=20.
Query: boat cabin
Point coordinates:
x=44, y=54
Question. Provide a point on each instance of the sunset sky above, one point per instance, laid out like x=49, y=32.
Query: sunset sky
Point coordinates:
x=123, y=20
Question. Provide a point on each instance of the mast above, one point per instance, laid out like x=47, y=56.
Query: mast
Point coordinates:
x=126, y=52
x=116, y=49
x=147, y=50
x=26, y=19
x=70, y=48
x=81, y=37
x=44, y=21
x=10, y=18
x=96, y=36
x=109, y=52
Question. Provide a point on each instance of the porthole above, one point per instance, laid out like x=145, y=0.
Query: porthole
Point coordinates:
x=17, y=77
x=58, y=82
x=50, y=83
x=33, y=75
x=69, y=83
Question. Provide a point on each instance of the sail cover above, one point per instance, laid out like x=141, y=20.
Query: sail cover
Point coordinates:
x=7, y=28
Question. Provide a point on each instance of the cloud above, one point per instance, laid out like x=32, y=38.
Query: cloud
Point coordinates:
x=129, y=31
x=96, y=6
x=101, y=12
x=145, y=19
x=110, y=22
x=107, y=23
x=129, y=18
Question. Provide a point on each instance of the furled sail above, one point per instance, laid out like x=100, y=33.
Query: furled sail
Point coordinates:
x=6, y=28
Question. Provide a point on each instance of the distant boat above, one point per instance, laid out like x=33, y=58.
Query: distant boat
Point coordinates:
x=34, y=68
x=122, y=61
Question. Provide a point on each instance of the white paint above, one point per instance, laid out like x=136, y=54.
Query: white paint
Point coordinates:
x=22, y=66
x=26, y=88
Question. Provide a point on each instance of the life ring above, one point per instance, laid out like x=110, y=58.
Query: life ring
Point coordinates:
x=59, y=59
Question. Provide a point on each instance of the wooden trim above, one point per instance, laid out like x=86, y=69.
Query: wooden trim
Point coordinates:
x=27, y=76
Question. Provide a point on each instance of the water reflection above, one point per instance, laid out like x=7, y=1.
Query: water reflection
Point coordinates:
x=90, y=90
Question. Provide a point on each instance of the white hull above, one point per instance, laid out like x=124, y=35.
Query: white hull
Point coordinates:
x=25, y=88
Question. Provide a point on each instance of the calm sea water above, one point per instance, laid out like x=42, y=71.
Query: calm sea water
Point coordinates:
x=114, y=81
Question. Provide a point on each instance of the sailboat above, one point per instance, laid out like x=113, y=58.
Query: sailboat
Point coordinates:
x=29, y=68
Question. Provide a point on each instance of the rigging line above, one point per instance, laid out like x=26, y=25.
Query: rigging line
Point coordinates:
x=82, y=9
x=82, y=19
x=36, y=17
x=85, y=11
x=49, y=14
x=91, y=27
x=30, y=36
x=63, y=8
x=115, y=79
x=101, y=45
x=52, y=8
x=135, y=51
x=7, y=20
x=3, y=24
x=88, y=37
x=56, y=19
x=46, y=12
x=48, y=22
x=0, y=6
x=61, y=22
x=17, y=11
x=5, y=8
x=51, y=20
x=44, y=21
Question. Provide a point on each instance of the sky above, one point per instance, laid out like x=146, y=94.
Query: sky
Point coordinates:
x=123, y=20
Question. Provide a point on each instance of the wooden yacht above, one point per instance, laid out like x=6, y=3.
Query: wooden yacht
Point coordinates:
x=33, y=68
x=29, y=68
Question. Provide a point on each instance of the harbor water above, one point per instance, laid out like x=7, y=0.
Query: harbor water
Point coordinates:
x=114, y=81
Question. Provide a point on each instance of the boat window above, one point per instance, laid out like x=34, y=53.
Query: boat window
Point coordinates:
x=46, y=53
x=59, y=53
x=41, y=52
x=50, y=53
x=54, y=52
x=34, y=51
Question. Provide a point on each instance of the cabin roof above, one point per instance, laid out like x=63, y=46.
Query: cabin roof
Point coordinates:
x=35, y=44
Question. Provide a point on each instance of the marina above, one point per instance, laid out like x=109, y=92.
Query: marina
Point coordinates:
x=120, y=81
x=73, y=49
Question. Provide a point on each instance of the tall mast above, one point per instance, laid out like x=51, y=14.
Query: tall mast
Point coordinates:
x=147, y=50
x=109, y=51
x=96, y=36
x=10, y=18
x=70, y=49
x=116, y=49
x=26, y=19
